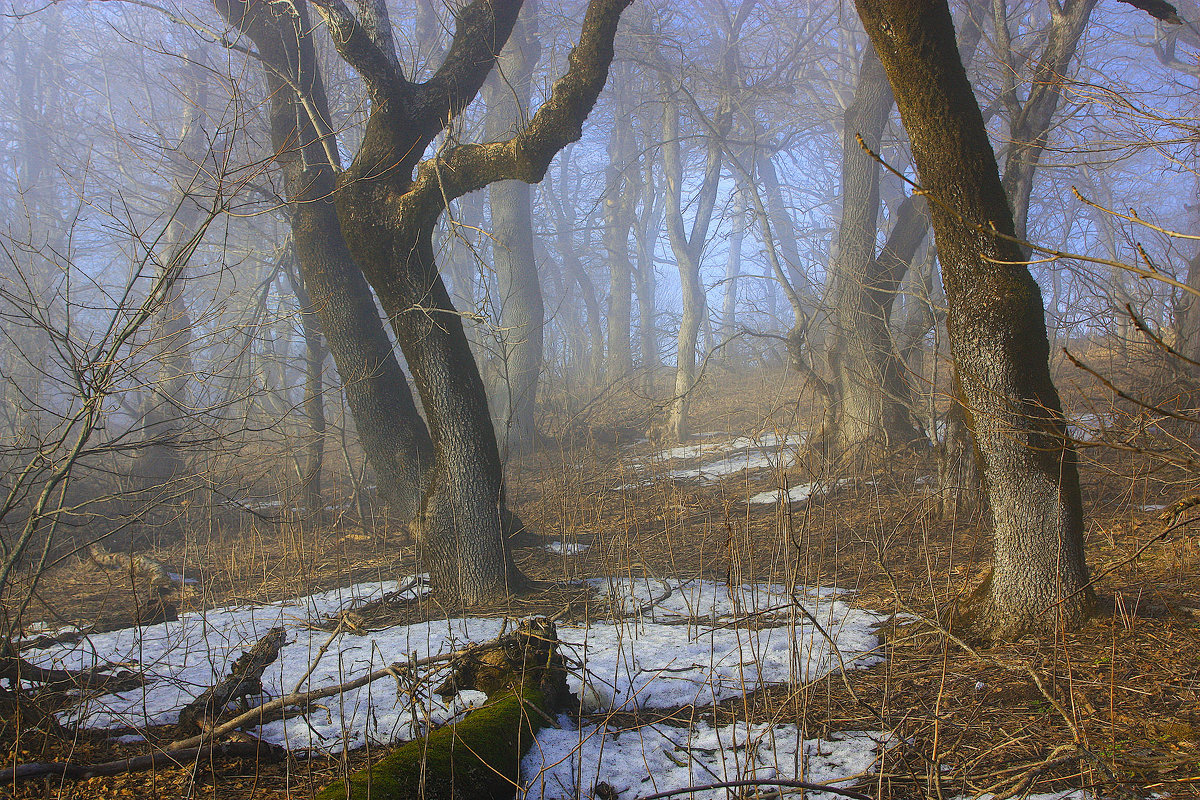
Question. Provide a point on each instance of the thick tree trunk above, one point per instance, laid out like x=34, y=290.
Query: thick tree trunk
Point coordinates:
x=522, y=309
x=870, y=410
x=996, y=327
x=393, y=436
x=388, y=203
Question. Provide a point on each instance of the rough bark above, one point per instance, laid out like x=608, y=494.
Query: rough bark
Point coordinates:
x=522, y=309
x=524, y=678
x=996, y=328
x=244, y=680
x=388, y=204
x=396, y=443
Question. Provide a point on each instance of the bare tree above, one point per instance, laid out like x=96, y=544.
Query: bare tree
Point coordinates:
x=996, y=327
x=393, y=436
x=388, y=202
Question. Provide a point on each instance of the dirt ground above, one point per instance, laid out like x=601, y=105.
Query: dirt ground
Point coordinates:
x=1113, y=706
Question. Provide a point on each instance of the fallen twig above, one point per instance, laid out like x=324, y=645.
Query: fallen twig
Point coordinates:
x=780, y=782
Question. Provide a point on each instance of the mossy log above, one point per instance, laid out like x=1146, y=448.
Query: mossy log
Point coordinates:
x=480, y=755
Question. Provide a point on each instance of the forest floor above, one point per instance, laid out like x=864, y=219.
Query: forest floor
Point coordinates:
x=1113, y=707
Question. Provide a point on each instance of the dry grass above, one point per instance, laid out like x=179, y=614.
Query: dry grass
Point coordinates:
x=1114, y=706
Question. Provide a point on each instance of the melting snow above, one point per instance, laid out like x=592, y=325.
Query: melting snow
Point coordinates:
x=567, y=548
x=661, y=644
x=794, y=494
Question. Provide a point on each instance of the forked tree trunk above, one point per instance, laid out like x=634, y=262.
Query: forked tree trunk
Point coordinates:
x=388, y=204
x=687, y=250
x=646, y=228
x=996, y=328
x=395, y=440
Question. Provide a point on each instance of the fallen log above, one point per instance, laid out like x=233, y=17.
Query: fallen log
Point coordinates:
x=244, y=680
x=479, y=756
x=302, y=699
x=156, y=760
x=16, y=669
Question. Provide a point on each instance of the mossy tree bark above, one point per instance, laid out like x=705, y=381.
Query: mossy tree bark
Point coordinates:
x=996, y=328
x=394, y=438
x=388, y=202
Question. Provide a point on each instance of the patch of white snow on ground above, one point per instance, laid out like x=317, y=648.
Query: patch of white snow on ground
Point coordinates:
x=664, y=643
x=567, y=548
x=794, y=495
x=655, y=758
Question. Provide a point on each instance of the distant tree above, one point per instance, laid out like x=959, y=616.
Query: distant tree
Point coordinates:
x=522, y=313
x=996, y=329
x=870, y=399
x=164, y=406
x=620, y=183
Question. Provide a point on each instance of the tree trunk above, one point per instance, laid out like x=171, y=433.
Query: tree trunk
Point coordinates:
x=646, y=228
x=522, y=309
x=687, y=250
x=996, y=327
x=394, y=438
x=619, y=202
x=565, y=222
x=733, y=269
x=1029, y=122
x=159, y=458
x=314, y=394
x=870, y=413
x=389, y=201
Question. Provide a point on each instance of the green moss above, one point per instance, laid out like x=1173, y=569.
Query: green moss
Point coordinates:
x=477, y=757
